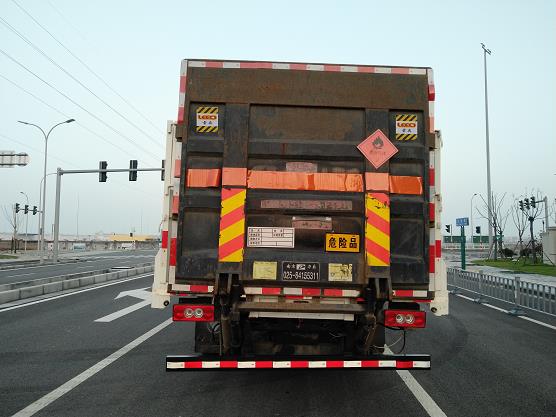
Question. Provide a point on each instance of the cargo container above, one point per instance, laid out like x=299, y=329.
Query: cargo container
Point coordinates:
x=301, y=214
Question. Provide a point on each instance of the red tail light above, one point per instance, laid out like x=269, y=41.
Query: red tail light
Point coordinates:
x=192, y=312
x=404, y=318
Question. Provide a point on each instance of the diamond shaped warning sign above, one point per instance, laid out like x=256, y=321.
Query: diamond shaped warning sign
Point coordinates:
x=377, y=148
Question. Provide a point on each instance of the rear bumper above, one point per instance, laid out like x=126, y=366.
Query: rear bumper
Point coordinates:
x=214, y=363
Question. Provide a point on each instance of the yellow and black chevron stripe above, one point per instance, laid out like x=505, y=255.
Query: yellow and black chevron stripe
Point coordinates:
x=406, y=118
x=207, y=110
x=406, y=136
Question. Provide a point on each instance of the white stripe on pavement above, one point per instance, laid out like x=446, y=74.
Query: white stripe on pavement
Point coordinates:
x=538, y=322
x=19, y=275
x=541, y=323
x=75, y=292
x=124, y=311
x=52, y=396
x=419, y=392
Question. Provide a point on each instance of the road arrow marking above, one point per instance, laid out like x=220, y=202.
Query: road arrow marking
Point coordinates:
x=140, y=293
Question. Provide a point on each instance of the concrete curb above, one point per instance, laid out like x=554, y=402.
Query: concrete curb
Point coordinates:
x=29, y=291
x=40, y=281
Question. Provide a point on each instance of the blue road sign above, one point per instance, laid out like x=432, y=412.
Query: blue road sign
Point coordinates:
x=463, y=221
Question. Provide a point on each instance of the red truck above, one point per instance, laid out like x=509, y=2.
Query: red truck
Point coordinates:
x=301, y=214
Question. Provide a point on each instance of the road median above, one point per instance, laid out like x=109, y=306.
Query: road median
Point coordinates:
x=34, y=288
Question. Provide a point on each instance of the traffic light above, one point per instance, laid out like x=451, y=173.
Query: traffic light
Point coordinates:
x=102, y=175
x=130, y=234
x=132, y=167
x=34, y=210
x=17, y=207
x=533, y=202
x=162, y=172
x=448, y=228
x=478, y=230
x=527, y=203
x=521, y=205
x=26, y=209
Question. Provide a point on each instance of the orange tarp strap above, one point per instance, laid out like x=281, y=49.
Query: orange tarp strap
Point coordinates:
x=406, y=185
x=203, y=177
x=234, y=176
x=320, y=181
x=376, y=181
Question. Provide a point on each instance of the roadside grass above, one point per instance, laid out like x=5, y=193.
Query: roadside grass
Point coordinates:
x=525, y=266
x=8, y=257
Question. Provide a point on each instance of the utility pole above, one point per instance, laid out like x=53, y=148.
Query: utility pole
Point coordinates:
x=59, y=172
x=472, y=197
x=531, y=219
x=26, y=220
x=46, y=135
x=545, y=199
x=489, y=190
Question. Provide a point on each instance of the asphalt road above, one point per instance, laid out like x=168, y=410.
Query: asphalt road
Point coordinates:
x=484, y=363
x=87, y=263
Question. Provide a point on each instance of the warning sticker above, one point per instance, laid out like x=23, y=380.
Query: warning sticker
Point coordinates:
x=271, y=237
x=406, y=127
x=207, y=119
x=340, y=272
x=377, y=148
x=337, y=242
x=264, y=270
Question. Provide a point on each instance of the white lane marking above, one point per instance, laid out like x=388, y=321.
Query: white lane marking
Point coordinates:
x=538, y=322
x=43, y=266
x=541, y=323
x=75, y=292
x=124, y=311
x=140, y=293
x=52, y=396
x=419, y=392
x=19, y=275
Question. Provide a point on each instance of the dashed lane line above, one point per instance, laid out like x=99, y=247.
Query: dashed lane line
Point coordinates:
x=52, y=396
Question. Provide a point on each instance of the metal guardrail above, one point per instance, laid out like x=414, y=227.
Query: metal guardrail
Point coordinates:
x=522, y=294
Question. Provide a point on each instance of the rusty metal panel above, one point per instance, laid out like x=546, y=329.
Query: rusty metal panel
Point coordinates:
x=310, y=123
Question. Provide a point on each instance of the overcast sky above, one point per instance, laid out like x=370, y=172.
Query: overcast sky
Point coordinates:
x=136, y=48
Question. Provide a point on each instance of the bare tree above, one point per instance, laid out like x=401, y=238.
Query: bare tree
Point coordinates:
x=14, y=220
x=519, y=219
x=552, y=211
x=534, y=209
x=497, y=220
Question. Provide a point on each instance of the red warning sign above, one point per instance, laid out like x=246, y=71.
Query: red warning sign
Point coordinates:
x=377, y=148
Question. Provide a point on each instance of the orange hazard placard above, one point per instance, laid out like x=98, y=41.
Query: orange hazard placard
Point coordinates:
x=377, y=148
x=339, y=242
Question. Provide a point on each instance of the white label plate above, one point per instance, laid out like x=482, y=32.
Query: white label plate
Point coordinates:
x=270, y=237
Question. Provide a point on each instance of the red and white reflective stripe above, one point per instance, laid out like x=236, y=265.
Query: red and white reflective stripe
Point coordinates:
x=308, y=67
x=196, y=288
x=262, y=291
x=336, y=292
x=292, y=364
x=309, y=292
x=410, y=293
x=183, y=86
x=432, y=96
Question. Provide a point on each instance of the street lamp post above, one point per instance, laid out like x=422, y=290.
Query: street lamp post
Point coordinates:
x=489, y=191
x=26, y=221
x=46, y=135
x=472, y=197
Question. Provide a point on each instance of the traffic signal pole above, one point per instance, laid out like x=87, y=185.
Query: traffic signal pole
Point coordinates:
x=462, y=247
x=59, y=173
